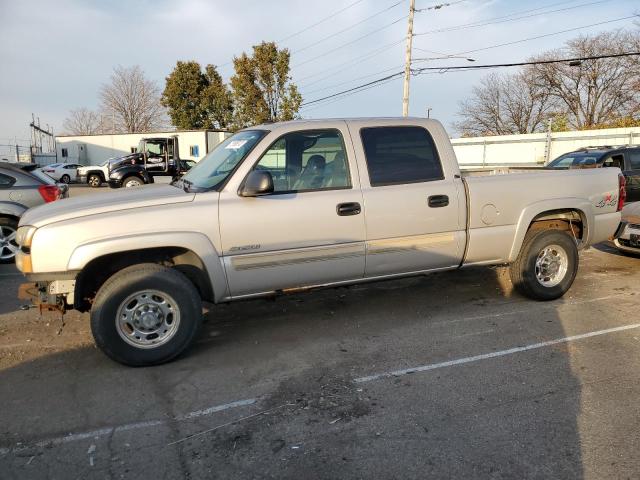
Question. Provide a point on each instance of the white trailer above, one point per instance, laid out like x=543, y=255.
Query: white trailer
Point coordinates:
x=95, y=149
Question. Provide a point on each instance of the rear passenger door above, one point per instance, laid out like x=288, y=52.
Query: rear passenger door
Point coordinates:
x=414, y=204
x=632, y=174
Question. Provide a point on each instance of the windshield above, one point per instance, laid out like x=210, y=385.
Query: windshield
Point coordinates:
x=575, y=160
x=216, y=166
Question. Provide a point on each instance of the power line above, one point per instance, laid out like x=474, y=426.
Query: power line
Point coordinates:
x=329, y=87
x=350, y=62
x=351, y=42
x=328, y=37
x=540, y=36
x=510, y=18
x=468, y=67
x=329, y=17
x=520, y=64
x=439, y=6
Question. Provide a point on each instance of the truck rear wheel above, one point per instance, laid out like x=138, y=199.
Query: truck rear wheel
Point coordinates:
x=546, y=266
x=146, y=314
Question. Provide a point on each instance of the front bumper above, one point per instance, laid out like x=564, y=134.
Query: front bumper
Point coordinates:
x=114, y=183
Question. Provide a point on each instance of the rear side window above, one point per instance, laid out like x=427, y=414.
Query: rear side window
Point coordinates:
x=6, y=181
x=634, y=159
x=397, y=155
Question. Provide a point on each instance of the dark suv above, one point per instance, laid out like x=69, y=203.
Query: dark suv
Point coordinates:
x=626, y=158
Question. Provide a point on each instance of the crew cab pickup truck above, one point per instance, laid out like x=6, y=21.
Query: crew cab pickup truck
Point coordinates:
x=297, y=205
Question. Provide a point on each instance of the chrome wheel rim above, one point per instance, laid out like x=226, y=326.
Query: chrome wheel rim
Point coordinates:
x=552, y=265
x=132, y=183
x=148, y=319
x=94, y=181
x=8, y=245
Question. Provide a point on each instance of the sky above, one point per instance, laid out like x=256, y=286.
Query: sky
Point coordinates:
x=55, y=55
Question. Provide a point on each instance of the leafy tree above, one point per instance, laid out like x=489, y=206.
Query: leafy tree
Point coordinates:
x=261, y=87
x=182, y=95
x=197, y=99
x=216, y=101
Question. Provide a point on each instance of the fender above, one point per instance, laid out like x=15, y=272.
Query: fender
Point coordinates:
x=531, y=211
x=124, y=171
x=12, y=209
x=194, y=241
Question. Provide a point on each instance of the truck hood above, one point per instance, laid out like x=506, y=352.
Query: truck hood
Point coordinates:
x=110, y=201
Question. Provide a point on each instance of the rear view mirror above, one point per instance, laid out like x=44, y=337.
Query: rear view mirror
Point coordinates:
x=256, y=184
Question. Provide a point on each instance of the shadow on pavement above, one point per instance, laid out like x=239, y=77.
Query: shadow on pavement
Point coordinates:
x=511, y=417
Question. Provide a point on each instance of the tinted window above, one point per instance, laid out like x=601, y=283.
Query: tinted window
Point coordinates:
x=308, y=160
x=6, y=181
x=400, y=155
x=634, y=159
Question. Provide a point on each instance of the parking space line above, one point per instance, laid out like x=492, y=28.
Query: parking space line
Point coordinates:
x=485, y=356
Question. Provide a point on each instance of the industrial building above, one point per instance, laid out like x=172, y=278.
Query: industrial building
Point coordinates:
x=95, y=149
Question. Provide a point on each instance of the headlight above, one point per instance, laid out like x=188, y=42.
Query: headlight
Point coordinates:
x=24, y=236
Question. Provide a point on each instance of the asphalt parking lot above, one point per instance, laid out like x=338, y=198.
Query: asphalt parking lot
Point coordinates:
x=452, y=375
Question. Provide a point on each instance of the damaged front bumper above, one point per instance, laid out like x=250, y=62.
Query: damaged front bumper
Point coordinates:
x=56, y=295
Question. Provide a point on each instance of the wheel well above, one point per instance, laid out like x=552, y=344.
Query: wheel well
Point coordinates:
x=9, y=216
x=569, y=220
x=100, y=269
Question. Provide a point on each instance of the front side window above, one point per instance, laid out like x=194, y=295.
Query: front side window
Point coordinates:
x=397, y=155
x=634, y=159
x=212, y=171
x=306, y=161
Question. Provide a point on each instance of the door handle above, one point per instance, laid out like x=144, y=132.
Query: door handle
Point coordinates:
x=346, y=209
x=436, y=201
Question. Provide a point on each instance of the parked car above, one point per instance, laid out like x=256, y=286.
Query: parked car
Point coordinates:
x=626, y=158
x=21, y=189
x=291, y=206
x=154, y=157
x=94, y=175
x=62, y=172
x=628, y=240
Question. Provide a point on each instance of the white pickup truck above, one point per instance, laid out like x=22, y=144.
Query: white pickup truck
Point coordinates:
x=297, y=205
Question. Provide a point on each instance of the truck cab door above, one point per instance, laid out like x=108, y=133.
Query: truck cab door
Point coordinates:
x=310, y=229
x=156, y=156
x=415, y=207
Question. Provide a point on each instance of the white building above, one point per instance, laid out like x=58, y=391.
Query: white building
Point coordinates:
x=95, y=149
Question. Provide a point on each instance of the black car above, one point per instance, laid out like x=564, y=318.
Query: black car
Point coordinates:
x=625, y=158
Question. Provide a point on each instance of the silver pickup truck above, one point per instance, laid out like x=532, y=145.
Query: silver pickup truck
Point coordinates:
x=297, y=205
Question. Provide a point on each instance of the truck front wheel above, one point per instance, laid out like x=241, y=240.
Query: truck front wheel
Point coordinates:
x=146, y=314
x=546, y=266
x=94, y=180
x=132, y=181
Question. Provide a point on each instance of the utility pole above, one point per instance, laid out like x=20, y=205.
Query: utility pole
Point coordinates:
x=407, y=60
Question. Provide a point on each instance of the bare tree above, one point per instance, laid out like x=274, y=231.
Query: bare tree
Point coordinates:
x=82, y=121
x=598, y=91
x=131, y=102
x=505, y=104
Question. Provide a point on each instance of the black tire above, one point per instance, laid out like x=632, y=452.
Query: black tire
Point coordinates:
x=132, y=179
x=524, y=274
x=94, y=180
x=132, y=280
x=8, y=246
x=65, y=179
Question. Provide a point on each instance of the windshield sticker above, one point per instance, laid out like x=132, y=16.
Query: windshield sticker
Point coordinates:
x=236, y=144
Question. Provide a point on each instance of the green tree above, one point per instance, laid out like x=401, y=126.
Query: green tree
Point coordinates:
x=261, y=87
x=182, y=95
x=197, y=99
x=216, y=101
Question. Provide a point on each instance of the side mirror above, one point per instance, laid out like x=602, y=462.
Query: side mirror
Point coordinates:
x=257, y=183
